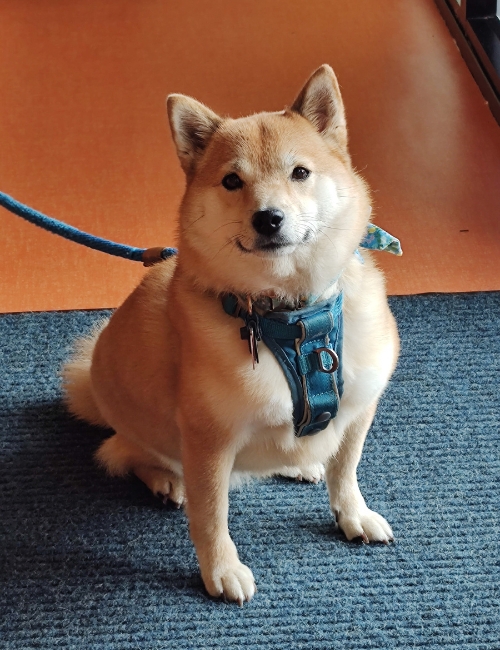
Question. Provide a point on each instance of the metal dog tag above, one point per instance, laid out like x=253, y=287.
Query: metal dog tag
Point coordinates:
x=253, y=345
x=251, y=332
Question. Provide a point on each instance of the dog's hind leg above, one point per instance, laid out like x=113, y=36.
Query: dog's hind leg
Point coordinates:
x=163, y=483
x=121, y=456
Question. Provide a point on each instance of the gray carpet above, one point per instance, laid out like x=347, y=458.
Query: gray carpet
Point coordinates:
x=92, y=562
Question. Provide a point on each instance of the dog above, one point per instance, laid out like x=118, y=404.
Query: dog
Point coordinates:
x=272, y=211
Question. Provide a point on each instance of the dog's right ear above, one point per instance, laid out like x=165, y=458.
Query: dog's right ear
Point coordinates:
x=192, y=125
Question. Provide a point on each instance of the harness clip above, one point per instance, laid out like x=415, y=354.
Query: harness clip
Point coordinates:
x=252, y=333
x=333, y=356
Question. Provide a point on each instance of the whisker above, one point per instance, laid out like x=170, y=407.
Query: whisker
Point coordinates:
x=331, y=242
x=228, y=223
x=336, y=228
x=229, y=241
x=189, y=225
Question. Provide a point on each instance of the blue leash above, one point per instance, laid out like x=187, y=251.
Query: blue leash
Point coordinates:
x=146, y=255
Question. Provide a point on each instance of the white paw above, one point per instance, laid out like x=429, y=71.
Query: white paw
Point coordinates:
x=233, y=582
x=364, y=523
x=311, y=473
x=163, y=483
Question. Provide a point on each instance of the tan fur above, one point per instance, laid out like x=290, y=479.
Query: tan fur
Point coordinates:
x=78, y=394
x=170, y=374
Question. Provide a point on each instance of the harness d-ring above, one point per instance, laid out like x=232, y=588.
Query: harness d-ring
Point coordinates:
x=333, y=356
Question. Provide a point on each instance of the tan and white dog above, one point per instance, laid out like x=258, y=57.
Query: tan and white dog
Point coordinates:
x=272, y=207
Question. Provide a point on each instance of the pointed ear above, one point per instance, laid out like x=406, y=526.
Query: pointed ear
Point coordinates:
x=192, y=125
x=320, y=103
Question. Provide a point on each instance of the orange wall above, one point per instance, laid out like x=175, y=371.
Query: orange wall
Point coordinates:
x=84, y=136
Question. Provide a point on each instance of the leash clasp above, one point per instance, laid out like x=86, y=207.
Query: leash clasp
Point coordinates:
x=152, y=256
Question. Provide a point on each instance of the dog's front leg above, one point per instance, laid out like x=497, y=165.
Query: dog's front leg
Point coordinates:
x=208, y=458
x=346, y=501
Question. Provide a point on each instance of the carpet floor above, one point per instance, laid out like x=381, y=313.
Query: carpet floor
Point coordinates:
x=92, y=562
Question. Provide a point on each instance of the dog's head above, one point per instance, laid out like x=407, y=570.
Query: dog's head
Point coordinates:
x=272, y=203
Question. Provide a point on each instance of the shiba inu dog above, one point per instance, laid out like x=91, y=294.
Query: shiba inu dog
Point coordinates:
x=273, y=211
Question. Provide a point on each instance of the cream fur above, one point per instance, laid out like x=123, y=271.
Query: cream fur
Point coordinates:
x=170, y=374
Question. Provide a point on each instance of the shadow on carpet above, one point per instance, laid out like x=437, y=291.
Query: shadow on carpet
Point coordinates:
x=92, y=562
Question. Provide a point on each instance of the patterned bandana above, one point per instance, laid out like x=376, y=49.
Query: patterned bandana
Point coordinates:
x=377, y=239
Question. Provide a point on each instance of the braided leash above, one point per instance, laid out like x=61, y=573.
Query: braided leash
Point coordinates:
x=148, y=256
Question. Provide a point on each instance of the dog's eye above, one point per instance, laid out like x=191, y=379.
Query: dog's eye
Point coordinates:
x=232, y=182
x=300, y=174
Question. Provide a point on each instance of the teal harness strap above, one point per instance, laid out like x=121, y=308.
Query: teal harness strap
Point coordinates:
x=307, y=343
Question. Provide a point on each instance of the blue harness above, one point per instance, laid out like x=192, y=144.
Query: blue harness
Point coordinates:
x=307, y=344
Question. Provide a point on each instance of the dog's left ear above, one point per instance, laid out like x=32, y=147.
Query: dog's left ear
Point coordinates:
x=192, y=124
x=320, y=102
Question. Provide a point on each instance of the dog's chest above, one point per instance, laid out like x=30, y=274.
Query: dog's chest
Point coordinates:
x=265, y=390
x=257, y=396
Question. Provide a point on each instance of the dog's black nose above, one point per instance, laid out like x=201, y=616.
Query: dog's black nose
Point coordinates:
x=268, y=222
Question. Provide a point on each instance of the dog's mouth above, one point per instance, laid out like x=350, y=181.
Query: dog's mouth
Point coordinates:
x=273, y=247
x=269, y=249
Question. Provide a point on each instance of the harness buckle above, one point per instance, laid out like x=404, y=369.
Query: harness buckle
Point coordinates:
x=333, y=356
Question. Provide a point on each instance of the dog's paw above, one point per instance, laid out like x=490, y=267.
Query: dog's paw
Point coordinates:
x=232, y=583
x=365, y=524
x=163, y=483
x=310, y=473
